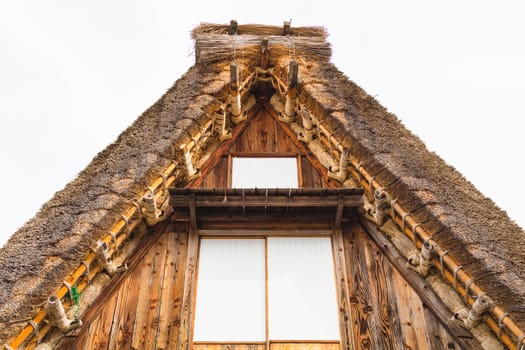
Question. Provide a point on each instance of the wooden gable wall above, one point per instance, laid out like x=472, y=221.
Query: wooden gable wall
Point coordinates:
x=142, y=308
x=263, y=136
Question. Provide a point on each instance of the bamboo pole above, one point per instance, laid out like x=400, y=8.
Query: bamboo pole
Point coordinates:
x=461, y=276
x=76, y=275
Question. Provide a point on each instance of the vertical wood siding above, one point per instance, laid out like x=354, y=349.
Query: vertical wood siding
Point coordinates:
x=143, y=312
x=385, y=311
x=262, y=135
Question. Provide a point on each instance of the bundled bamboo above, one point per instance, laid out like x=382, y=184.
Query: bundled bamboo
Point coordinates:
x=257, y=29
x=219, y=47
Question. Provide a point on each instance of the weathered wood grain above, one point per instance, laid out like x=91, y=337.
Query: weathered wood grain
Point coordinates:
x=153, y=311
x=228, y=347
x=186, y=319
x=305, y=346
x=167, y=291
x=358, y=292
x=178, y=289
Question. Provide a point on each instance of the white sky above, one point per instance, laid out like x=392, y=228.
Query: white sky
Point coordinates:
x=74, y=74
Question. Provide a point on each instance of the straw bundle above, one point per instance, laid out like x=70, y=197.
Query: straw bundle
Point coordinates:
x=257, y=29
x=218, y=47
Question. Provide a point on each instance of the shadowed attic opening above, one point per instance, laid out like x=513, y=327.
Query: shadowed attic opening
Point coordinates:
x=249, y=74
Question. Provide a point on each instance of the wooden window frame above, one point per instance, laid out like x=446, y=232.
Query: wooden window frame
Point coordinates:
x=295, y=155
x=336, y=242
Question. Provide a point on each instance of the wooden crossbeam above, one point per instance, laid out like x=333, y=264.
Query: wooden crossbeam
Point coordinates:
x=263, y=201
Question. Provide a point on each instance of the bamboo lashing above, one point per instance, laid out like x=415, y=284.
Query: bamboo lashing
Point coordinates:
x=403, y=219
x=76, y=275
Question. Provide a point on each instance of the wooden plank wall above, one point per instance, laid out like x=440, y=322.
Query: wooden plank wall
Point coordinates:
x=143, y=312
x=263, y=135
x=384, y=310
x=142, y=308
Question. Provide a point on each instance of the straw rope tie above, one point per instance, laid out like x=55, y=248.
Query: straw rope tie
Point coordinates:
x=36, y=330
x=164, y=183
x=139, y=210
x=69, y=289
x=126, y=222
x=467, y=288
x=114, y=239
x=500, y=323
x=441, y=256
x=414, y=230
x=404, y=222
x=519, y=344
x=86, y=273
x=456, y=269
x=392, y=210
x=370, y=181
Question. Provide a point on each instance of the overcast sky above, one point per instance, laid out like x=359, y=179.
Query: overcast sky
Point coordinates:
x=74, y=74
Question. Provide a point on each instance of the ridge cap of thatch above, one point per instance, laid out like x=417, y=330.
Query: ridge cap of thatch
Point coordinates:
x=204, y=29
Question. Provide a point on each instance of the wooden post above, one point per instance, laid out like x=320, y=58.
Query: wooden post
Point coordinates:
x=287, y=28
x=293, y=70
x=341, y=274
x=235, y=96
x=186, y=318
x=234, y=26
x=291, y=95
x=264, y=52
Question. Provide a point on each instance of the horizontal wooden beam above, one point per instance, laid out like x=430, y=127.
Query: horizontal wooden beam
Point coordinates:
x=264, y=233
x=178, y=201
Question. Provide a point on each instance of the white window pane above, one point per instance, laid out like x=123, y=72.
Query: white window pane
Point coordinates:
x=230, y=303
x=301, y=289
x=264, y=172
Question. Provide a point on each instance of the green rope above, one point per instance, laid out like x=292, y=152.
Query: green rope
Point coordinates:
x=74, y=296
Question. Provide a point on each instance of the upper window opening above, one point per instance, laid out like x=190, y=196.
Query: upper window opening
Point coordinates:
x=264, y=172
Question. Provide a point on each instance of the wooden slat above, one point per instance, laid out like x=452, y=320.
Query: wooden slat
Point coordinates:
x=358, y=297
x=396, y=333
x=422, y=288
x=167, y=290
x=343, y=295
x=405, y=307
x=121, y=327
x=178, y=289
x=388, y=336
x=186, y=318
x=153, y=312
x=217, y=178
x=144, y=285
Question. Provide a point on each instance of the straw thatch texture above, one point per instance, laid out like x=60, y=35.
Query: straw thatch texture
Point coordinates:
x=205, y=29
x=41, y=254
x=220, y=47
x=479, y=235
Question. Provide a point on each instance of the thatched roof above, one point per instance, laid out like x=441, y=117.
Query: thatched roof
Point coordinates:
x=478, y=234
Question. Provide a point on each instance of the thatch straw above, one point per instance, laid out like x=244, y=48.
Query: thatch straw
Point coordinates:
x=257, y=29
x=219, y=47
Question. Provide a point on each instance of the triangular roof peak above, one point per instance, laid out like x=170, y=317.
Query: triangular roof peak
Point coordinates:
x=354, y=140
